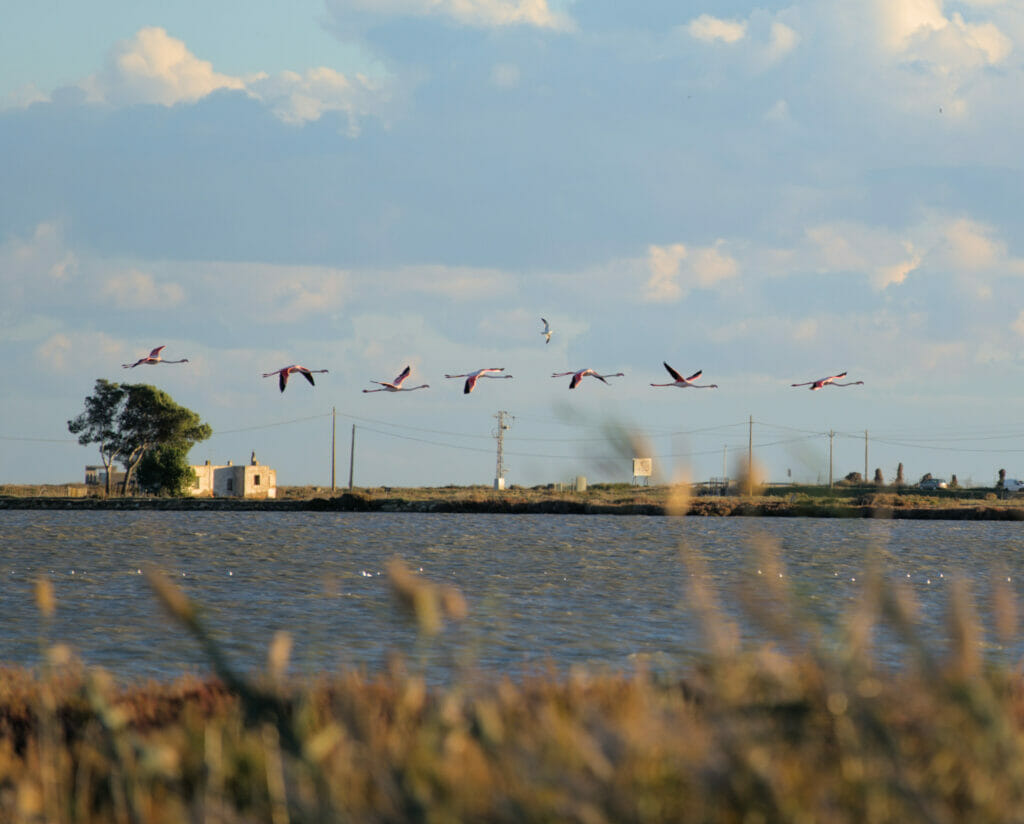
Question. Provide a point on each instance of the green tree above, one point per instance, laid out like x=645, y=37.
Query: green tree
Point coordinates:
x=130, y=420
x=99, y=423
x=879, y=479
x=165, y=470
x=150, y=419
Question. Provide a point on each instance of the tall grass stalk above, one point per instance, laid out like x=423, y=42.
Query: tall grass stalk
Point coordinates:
x=803, y=725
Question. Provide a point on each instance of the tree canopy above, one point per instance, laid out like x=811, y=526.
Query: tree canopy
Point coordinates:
x=127, y=421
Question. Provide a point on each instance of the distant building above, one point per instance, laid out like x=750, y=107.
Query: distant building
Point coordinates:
x=252, y=480
x=96, y=476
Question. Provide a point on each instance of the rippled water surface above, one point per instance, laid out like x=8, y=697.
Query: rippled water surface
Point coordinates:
x=598, y=590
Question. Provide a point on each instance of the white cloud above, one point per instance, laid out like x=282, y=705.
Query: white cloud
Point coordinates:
x=301, y=98
x=674, y=270
x=138, y=290
x=28, y=264
x=664, y=264
x=892, y=274
x=153, y=67
x=481, y=13
x=783, y=40
x=971, y=246
x=918, y=31
x=885, y=258
x=710, y=266
x=710, y=29
x=74, y=351
x=901, y=20
x=1018, y=325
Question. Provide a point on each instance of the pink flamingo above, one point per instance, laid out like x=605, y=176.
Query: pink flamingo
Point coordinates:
x=396, y=384
x=582, y=373
x=471, y=377
x=153, y=357
x=829, y=381
x=685, y=383
x=285, y=371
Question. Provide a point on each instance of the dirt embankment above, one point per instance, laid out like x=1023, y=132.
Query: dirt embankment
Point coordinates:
x=357, y=502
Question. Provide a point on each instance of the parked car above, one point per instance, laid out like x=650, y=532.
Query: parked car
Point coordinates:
x=1013, y=485
x=934, y=483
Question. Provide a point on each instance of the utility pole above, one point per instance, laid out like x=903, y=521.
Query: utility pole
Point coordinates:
x=750, y=458
x=725, y=452
x=865, y=456
x=334, y=426
x=831, y=434
x=499, y=476
x=352, y=457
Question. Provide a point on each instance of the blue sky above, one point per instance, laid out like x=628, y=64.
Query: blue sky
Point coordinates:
x=771, y=193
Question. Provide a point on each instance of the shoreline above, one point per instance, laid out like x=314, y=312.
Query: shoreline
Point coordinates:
x=696, y=507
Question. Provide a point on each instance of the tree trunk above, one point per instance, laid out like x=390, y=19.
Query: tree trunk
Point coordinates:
x=132, y=461
x=108, y=464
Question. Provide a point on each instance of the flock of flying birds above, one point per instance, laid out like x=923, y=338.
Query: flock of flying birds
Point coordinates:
x=154, y=357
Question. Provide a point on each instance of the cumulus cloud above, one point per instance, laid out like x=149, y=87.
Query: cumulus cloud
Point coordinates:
x=479, y=13
x=664, y=264
x=884, y=257
x=28, y=264
x=711, y=29
x=153, y=67
x=673, y=270
x=919, y=31
x=301, y=98
x=69, y=351
x=782, y=41
x=138, y=290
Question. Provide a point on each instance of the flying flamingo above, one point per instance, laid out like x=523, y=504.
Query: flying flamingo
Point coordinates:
x=546, y=332
x=396, y=384
x=685, y=383
x=582, y=373
x=153, y=357
x=830, y=380
x=285, y=371
x=471, y=377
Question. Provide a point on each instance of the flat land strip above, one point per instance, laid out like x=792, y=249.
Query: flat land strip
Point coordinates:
x=599, y=499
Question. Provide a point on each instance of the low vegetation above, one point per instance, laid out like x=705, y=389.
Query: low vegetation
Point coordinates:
x=804, y=726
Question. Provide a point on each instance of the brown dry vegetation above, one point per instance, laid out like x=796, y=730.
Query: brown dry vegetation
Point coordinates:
x=796, y=729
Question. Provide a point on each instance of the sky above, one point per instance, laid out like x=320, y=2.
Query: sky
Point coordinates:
x=769, y=192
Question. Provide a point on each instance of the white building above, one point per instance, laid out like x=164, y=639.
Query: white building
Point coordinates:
x=254, y=480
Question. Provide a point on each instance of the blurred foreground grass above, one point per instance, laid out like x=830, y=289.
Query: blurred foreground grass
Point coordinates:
x=805, y=728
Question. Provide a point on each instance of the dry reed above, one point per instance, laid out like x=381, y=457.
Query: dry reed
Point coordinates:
x=801, y=728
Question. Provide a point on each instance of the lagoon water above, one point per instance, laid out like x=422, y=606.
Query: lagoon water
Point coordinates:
x=543, y=590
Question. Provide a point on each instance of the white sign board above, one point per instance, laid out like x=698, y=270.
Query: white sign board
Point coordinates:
x=642, y=467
